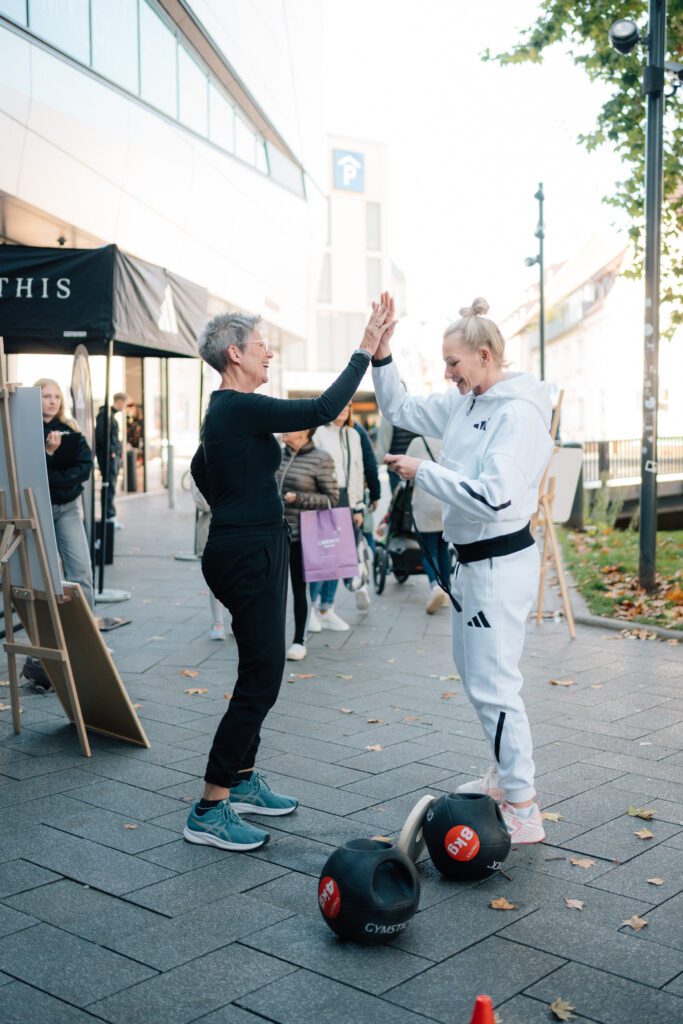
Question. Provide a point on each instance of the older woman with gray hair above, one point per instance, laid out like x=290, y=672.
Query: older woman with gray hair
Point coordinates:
x=246, y=557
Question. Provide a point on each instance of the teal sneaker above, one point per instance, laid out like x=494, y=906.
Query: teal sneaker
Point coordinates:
x=221, y=826
x=254, y=796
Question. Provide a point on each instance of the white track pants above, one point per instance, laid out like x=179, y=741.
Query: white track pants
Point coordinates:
x=496, y=596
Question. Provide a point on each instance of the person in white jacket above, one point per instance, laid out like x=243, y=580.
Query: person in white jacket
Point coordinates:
x=496, y=445
x=343, y=443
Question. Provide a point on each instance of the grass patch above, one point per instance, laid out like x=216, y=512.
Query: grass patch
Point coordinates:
x=604, y=564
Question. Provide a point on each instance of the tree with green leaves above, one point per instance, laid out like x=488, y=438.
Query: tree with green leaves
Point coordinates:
x=581, y=27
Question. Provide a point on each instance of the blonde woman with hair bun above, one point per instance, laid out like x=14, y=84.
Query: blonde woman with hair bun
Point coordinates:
x=496, y=444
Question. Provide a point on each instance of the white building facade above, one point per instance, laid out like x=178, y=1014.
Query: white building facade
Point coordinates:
x=189, y=134
x=594, y=346
x=354, y=267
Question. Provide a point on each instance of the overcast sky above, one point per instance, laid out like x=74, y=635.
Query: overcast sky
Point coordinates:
x=469, y=142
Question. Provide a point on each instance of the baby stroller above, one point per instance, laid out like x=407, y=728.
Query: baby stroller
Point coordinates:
x=398, y=549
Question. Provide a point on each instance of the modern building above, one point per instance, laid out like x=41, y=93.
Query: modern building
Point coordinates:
x=190, y=134
x=355, y=265
x=594, y=345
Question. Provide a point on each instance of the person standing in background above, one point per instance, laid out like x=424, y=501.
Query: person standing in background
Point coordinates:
x=341, y=441
x=372, y=485
x=115, y=450
x=219, y=613
x=394, y=439
x=428, y=512
x=307, y=481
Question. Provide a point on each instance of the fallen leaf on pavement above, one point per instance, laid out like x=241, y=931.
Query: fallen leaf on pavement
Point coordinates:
x=562, y=682
x=582, y=862
x=128, y=826
x=635, y=922
x=644, y=833
x=641, y=812
x=345, y=677
x=196, y=689
x=138, y=705
x=562, y=1010
x=191, y=673
x=448, y=694
x=391, y=661
x=375, y=721
x=574, y=904
x=503, y=904
x=597, y=686
x=5, y=707
x=382, y=839
x=411, y=718
x=374, y=746
x=4, y=682
x=302, y=675
x=656, y=881
x=227, y=696
x=346, y=711
x=551, y=816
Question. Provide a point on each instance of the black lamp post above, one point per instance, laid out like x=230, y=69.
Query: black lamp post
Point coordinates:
x=624, y=36
x=530, y=261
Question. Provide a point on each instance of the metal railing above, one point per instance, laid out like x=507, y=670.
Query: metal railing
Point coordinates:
x=620, y=460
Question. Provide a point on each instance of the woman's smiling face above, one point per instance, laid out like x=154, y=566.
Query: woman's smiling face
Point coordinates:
x=464, y=365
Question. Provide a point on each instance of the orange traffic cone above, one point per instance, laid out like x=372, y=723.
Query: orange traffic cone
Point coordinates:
x=483, y=1011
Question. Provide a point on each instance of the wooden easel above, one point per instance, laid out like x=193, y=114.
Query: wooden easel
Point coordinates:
x=544, y=518
x=15, y=528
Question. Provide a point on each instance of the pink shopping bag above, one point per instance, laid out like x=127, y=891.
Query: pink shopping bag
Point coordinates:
x=328, y=545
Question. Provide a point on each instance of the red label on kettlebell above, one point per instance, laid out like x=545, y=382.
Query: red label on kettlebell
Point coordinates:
x=329, y=897
x=462, y=843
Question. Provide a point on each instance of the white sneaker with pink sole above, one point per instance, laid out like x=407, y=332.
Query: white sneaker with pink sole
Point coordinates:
x=523, y=828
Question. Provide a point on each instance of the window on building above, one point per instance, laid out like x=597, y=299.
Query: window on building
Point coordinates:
x=245, y=140
x=374, y=277
x=261, y=157
x=284, y=170
x=373, y=226
x=338, y=334
x=64, y=23
x=114, y=31
x=158, y=62
x=221, y=119
x=14, y=9
x=325, y=284
x=193, y=93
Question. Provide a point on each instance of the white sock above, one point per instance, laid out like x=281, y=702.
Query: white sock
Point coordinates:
x=524, y=812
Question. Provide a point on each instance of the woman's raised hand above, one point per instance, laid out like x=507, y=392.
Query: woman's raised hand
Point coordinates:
x=380, y=324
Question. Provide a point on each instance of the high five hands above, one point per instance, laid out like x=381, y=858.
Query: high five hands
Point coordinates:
x=380, y=326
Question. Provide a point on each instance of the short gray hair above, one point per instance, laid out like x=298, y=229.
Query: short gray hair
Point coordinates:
x=222, y=331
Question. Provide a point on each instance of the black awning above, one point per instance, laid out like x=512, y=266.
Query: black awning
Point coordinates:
x=52, y=300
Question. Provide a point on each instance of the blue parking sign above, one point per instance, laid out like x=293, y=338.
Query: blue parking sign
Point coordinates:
x=349, y=170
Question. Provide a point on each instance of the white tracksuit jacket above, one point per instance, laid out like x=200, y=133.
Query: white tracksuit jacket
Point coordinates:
x=495, y=450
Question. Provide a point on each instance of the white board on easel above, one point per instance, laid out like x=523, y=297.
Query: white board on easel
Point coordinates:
x=565, y=467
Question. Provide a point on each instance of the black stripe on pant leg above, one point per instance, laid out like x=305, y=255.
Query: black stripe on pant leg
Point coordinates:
x=499, y=734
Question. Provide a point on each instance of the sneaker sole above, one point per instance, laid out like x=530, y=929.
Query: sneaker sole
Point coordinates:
x=206, y=839
x=336, y=629
x=271, y=812
x=527, y=842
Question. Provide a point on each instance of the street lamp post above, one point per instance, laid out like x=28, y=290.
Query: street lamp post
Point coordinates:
x=530, y=261
x=624, y=36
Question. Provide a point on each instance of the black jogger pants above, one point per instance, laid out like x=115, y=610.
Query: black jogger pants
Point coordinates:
x=246, y=569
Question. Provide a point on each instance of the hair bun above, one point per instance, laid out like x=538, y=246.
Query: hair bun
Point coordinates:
x=479, y=307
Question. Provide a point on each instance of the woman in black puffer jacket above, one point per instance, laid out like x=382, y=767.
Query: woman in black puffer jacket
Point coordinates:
x=69, y=464
x=307, y=480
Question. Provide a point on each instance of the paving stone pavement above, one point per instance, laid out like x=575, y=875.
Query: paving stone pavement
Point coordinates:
x=99, y=922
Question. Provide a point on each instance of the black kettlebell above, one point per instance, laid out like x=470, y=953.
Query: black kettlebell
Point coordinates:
x=466, y=836
x=368, y=891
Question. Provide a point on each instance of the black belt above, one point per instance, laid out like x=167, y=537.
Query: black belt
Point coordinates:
x=494, y=547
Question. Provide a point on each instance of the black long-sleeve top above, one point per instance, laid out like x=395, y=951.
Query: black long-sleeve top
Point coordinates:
x=70, y=466
x=236, y=462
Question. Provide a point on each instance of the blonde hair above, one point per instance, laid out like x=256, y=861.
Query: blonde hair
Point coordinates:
x=61, y=412
x=478, y=332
